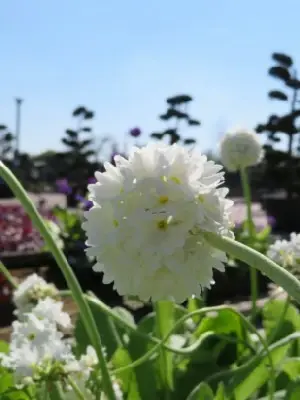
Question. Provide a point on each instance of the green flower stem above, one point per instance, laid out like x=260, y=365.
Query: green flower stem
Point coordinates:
x=258, y=261
x=76, y=389
x=56, y=391
x=84, y=309
x=251, y=231
x=8, y=275
x=164, y=318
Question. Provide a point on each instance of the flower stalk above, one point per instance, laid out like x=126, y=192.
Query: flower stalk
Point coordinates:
x=251, y=232
x=8, y=275
x=258, y=261
x=84, y=309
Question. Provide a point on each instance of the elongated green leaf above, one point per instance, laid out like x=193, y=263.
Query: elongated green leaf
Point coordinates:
x=246, y=384
x=272, y=313
x=280, y=395
x=221, y=393
x=4, y=347
x=137, y=347
x=291, y=367
x=293, y=391
x=121, y=358
x=201, y=392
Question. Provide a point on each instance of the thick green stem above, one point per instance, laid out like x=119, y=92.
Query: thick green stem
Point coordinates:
x=164, y=317
x=258, y=261
x=251, y=231
x=8, y=275
x=85, y=311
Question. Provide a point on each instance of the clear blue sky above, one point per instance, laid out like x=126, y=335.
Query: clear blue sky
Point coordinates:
x=123, y=58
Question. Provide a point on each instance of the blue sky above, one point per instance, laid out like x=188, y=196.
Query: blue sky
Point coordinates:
x=123, y=58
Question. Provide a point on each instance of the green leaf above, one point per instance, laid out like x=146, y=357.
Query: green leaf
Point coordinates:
x=137, y=347
x=244, y=385
x=121, y=358
x=264, y=234
x=293, y=391
x=291, y=366
x=105, y=330
x=272, y=312
x=223, y=322
x=4, y=347
x=280, y=395
x=201, y=392
x=221, y=392
x=6, y=380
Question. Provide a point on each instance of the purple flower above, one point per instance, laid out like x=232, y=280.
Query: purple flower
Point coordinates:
x=86, y=204
x=92, y=179
x=271, y=220
x=63, y=186
x=135, y=132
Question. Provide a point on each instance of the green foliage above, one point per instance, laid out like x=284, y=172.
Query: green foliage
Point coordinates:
x=283, y=167
x=214, y=356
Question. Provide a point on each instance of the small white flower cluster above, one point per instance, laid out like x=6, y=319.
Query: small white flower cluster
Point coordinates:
x=146, y=227
x=240, y=148
x=287, y=253
x=39, y=350
x=30, y=291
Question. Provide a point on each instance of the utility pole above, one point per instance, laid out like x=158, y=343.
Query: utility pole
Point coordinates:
x=18, y=127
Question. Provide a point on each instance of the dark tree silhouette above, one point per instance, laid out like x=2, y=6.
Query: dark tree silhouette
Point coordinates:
x=79, y=142
x=282, y=167
x=177, y=112
x=6, y=143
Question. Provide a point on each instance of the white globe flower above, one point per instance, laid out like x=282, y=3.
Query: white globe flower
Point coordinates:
x=240, y=148
x=147, y=223
x=30, y=291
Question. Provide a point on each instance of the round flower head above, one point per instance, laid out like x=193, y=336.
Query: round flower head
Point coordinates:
x=147, y=223
x=240, y=148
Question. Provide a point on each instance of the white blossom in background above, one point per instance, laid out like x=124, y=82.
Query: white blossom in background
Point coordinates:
x=81, y=371
x=287, y=253
x=147, y=222
x=52, y=310
x=240, y=148
x=30, y=291
x=36, y=347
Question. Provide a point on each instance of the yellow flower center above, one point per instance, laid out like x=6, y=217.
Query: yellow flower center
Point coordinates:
x=162, y=225
x=175, y=179
x=163, y=199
